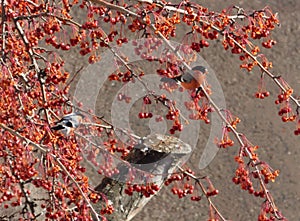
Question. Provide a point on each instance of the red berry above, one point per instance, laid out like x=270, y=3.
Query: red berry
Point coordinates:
x=266, y=93
x=147, y=100
x=172, y=131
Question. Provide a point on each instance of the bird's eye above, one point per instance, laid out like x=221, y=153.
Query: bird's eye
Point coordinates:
x=69, y=124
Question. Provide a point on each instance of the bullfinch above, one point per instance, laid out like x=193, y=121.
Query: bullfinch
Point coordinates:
x=68, y=123
x=189, y=80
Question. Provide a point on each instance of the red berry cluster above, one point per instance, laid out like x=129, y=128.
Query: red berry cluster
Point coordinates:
x=55, y=74
x=177, y=126
x=147, y=100
x=297, y=131
x=262, y=95
x=243, y=176
x=212, y=192
x=159, y=119
x=269, y=43
x=185, y=188
x=90, y=25
x=195, y=198
x=267, y=212
x=107, y=170
x=206, y=32
x=280, y=99
x=145, y=48
x=53, y=215
x=196, y=46
x=172, y=114
x=145, y=190
x=143, y=115
x=121, y=76
x=124, y=97
x=109, y=209
x=175, y=177
x=199, y=112
x=94, y=197
x=47, y=185
x=136, y=25
x=165, y=73
x=226, y=141
x=112, y=146
x=182, y=192
x=268, y=174
x=233, y=122
x=284, y=112
x=261, y=25
x=284, y=96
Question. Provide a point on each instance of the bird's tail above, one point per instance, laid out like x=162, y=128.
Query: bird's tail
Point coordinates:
x=58, y=127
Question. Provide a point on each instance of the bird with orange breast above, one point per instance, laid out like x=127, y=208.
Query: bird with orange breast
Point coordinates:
x=189, y=80
x=68, y=123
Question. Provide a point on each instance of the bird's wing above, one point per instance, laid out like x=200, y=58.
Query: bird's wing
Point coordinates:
x=187, y=77
x=70, y=123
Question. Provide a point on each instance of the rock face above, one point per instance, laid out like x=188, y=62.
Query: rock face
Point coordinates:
x=150, y=162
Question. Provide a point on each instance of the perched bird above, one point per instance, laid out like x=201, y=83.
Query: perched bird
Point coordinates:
x=68, y=123
x=189, y=80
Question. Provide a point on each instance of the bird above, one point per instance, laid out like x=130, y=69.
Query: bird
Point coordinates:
x=189, y=80
x=68, y=123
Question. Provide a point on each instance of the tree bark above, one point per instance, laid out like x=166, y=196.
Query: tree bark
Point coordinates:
x=152, y=160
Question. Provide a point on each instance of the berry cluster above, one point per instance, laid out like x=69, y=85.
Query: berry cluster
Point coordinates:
x=267, y=213
x=147, y=100
x=284, y=112
x=269, y=43
x=199, y=112
x=94, y=197
x=225, y=141
x=109, y=209
x=185, y=189
x=121, y=76
x=243, y=176
x=284, y=96
x=145, y=190
x=107, y=171
x=143, y=115
x=262, y=95
x=196, y=46
x=297, y=131
x=124, y=97
x=177, y=126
